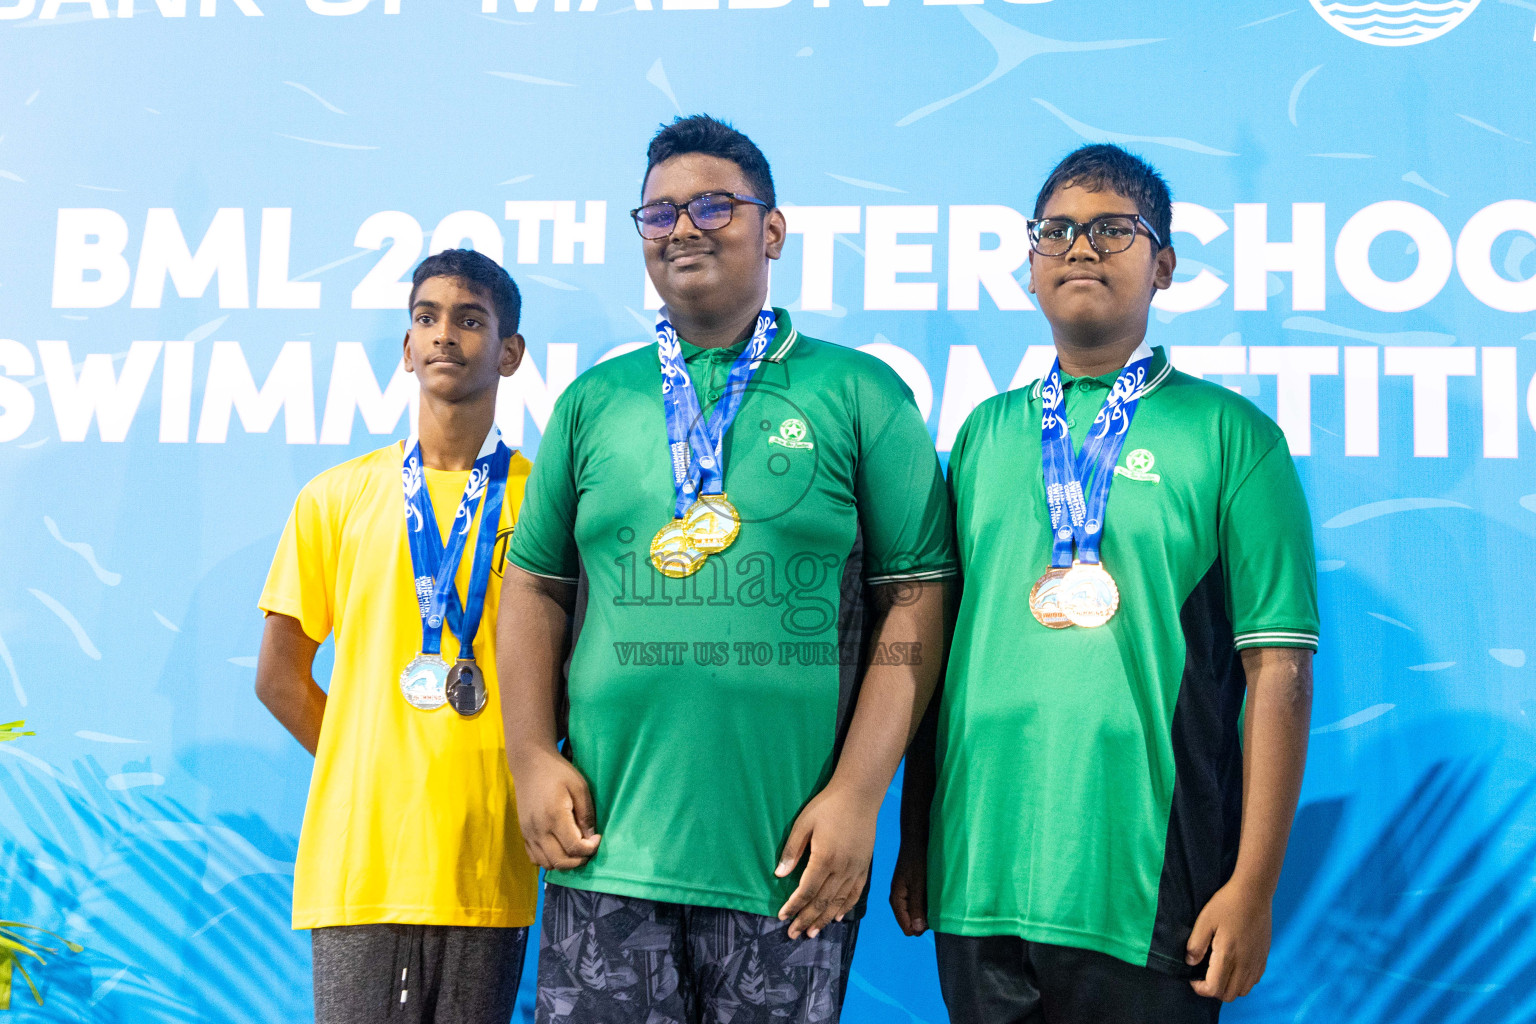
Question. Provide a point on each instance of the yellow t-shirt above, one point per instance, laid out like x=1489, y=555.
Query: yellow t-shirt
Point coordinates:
x=411, y=818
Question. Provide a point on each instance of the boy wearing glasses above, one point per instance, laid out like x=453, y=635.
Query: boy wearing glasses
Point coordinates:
x=1090, y=822
x=762, y=527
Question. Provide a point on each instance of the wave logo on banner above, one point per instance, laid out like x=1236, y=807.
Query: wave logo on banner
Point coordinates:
x=1395, y=24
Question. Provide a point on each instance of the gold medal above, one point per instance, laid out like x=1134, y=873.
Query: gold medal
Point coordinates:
x=1045, y=599
x=673, y=552
x=1089, y=595
x=712, y=523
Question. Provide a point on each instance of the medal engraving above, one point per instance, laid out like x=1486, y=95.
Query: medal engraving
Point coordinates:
x=673, y=552
x=712, y=523
x=424, y=683
x=465, y=689
x=1089, y=595
x=1045, y=599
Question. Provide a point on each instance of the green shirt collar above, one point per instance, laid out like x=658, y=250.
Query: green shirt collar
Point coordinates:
x=1157, y=373
x=784, y=338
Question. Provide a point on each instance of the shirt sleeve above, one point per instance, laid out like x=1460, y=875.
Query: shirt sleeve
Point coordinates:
x=958, y=484
x=1266, y=547
x=544, y=542
x=301, y=582
x=903, y=502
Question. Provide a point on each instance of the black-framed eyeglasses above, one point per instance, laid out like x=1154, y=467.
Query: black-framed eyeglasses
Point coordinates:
x=1108, y=233
x=707, y=210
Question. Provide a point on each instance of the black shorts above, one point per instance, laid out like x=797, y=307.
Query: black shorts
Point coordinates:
x=417, y=973
x=1003, y=979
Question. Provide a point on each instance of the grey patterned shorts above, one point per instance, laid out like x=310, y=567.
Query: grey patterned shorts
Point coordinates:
x=622, y=960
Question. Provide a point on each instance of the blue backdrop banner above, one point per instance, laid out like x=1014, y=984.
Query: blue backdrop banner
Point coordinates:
x=211, y=208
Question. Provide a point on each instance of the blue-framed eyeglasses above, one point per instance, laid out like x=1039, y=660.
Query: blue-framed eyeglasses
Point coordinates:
x=707, y=210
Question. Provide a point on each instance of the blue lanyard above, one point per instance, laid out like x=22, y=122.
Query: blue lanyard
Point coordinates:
x=687, y=431
x=436, y=566
x=1077, y=488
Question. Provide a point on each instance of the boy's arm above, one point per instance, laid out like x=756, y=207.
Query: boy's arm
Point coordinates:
x=909, y=882
x=284, y=682
x=554, y=803
x=919, y=782
x=838, y=825
x=1235, y=925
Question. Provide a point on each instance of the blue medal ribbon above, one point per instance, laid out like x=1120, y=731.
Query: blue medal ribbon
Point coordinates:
x=436, y=565
x=1077, y=488
x=697, y=445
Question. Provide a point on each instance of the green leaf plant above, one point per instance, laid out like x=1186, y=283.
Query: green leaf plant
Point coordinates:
x=12, y=945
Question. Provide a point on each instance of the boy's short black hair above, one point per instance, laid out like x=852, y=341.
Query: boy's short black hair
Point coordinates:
x=483, y=273
x=1099, y=166
x=712, y=137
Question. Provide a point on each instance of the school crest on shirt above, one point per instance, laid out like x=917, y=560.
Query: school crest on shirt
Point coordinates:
x=792, y=435
x=1138, y=466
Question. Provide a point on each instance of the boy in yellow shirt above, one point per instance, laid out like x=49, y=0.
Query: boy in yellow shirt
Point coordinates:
x=411, y=872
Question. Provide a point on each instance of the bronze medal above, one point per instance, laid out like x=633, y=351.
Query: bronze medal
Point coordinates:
x=1045, y=599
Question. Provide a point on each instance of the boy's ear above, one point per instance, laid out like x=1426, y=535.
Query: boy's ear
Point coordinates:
x=1162, y=267
x=512, y=349
x=405, y=357
x=775, y=233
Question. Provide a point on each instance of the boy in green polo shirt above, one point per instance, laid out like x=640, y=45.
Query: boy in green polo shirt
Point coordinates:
x=762, y=527
x=1092, y=825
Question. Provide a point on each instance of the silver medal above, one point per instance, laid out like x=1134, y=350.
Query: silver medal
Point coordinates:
x=424, y=683
x=466, y=688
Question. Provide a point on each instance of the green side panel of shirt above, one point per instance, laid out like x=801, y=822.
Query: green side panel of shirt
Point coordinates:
x=1056, y=766
x=704, y=711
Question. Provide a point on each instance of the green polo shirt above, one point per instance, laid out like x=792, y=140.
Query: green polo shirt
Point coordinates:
x=705, y=712
x=1090, y=780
